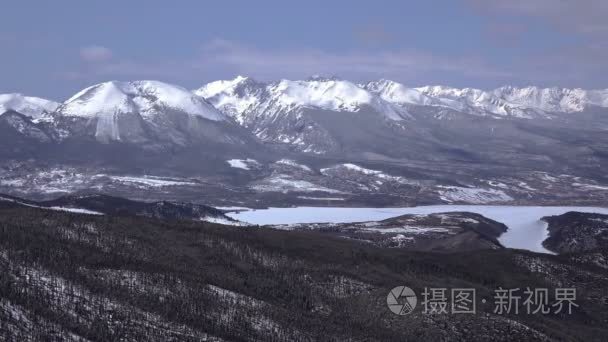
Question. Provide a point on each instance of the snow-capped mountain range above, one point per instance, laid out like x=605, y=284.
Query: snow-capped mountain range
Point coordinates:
x=243, y=96
x=418, y=143
x=281, y=112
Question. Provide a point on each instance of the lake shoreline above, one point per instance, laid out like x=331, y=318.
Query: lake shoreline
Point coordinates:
x=526, y=230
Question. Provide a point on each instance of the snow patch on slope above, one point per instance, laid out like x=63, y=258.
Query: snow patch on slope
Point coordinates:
x=379, y=176
x=282, y=183
x=244, y=164
x=223, y=220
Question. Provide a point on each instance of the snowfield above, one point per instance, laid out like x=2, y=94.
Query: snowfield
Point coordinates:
x=149, y=181
x=472, y=195
x=526, y=230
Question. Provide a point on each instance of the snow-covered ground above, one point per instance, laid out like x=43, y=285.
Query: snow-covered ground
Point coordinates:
x=526, y=230
x=282, y=183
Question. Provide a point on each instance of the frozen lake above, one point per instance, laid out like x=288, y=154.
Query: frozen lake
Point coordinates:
x=526, y=230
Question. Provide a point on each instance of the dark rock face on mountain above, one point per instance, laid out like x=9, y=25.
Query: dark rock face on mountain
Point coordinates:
x=576, y=232
x=70, y=277
x=433, y=232
x=19, y=136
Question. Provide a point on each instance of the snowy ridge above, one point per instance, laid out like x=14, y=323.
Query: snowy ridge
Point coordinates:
x=553, y=99
x=34, y=107
x=525, y=102
x=242, y=95
x=244, y=98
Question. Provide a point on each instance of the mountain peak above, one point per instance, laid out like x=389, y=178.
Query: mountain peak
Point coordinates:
x=214, y=88
x=323, y=93
x=146, y=98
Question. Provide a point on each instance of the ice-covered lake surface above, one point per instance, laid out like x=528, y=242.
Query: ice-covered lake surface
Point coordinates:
x=526, y=230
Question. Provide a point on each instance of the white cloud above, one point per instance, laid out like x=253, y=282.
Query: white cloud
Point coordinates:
x=222, y=58
x=303, y=62
x=95, y=53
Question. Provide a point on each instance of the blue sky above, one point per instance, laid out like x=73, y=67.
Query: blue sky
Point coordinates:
x=54, y=48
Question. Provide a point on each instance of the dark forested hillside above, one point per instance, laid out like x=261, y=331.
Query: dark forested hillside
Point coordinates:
x=575, y=232
x=74, y=277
